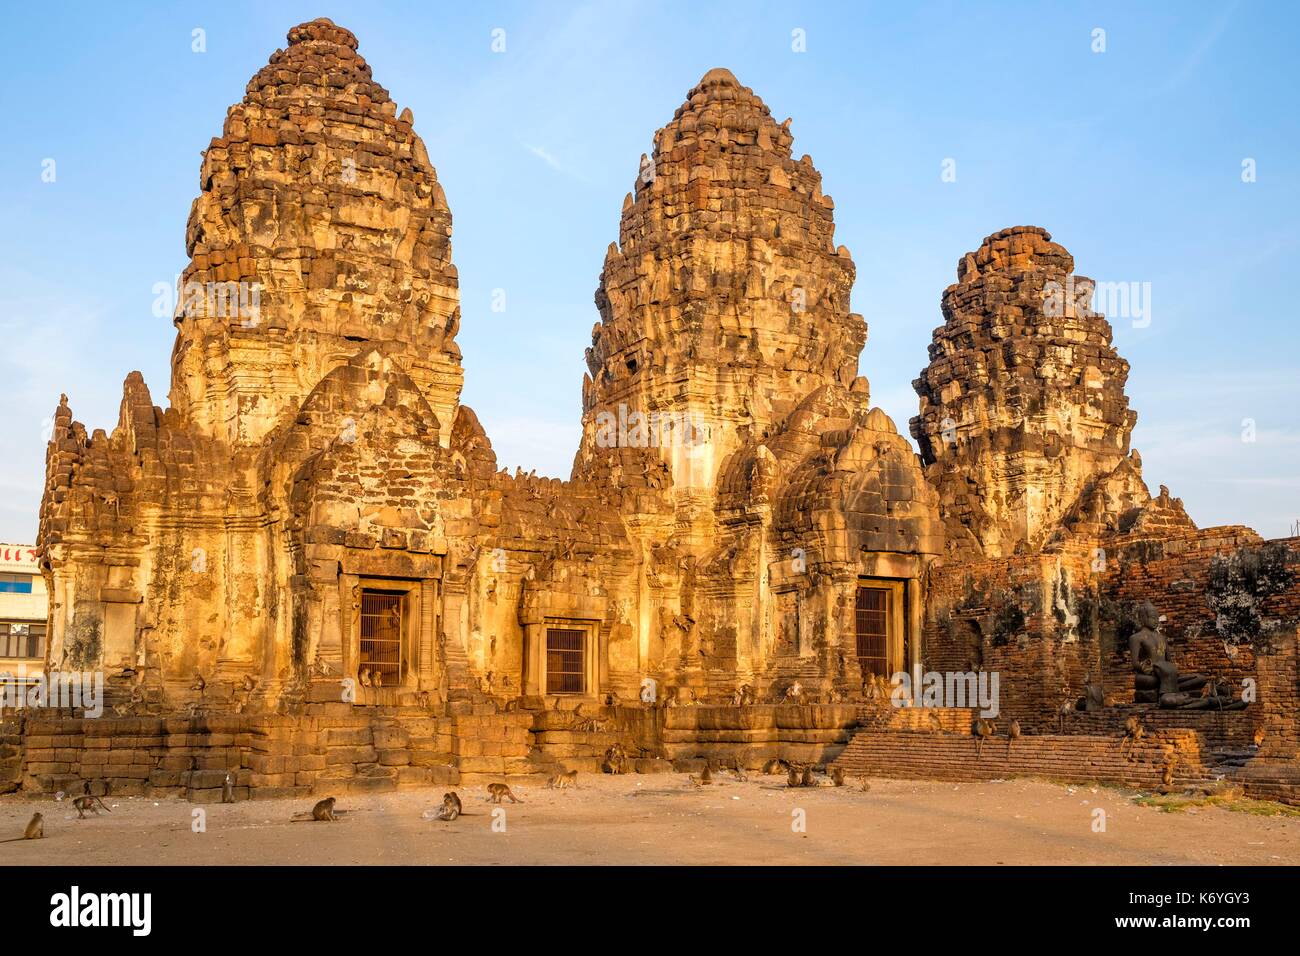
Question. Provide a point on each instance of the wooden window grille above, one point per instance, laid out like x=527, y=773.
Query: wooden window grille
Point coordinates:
x=383, y=635
x=566, y=660
x=872, y=627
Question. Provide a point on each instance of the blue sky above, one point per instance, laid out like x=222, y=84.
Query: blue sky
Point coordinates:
x=1131, y=157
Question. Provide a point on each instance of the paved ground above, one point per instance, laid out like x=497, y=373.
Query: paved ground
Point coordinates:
x=662, y=819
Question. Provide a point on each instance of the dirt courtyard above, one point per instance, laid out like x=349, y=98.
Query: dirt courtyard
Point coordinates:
x=663, y=819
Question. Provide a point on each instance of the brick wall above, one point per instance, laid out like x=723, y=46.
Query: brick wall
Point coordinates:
x=933, y=756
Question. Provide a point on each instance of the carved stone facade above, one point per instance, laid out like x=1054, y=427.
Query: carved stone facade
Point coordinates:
x=315, y=534
x=732, y=488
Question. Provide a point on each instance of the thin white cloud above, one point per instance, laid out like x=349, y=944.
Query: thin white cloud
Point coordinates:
x=550, y=160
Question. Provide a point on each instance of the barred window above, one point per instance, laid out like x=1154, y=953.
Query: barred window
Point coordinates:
x=383, y=634
x=566, y=660
x=872, y=627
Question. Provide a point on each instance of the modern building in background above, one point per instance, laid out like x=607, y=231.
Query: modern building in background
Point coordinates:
x=24, y=606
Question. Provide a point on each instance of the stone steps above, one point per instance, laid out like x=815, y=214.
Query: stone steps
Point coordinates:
x=935, y=756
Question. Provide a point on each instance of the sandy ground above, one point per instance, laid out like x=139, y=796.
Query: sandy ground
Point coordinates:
x=663, y=819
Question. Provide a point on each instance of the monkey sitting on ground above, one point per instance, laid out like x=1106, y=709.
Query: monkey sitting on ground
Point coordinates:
x=450, y=808
x=704, y=779
x=89, y=802
x=228, y=789
x=806, y=778
x=775, y=765
x=323, y=811
x=616, y=761
x=837, y=776
x=739, y=770
x=34, y=831
x=565, y=778
x=499, y=790
x=792, y=780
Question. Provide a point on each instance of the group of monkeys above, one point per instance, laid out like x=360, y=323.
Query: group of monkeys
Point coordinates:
x=35, y=829
x=984, y=728
x=1134, y=731
x=326, y=811
x=797, y=774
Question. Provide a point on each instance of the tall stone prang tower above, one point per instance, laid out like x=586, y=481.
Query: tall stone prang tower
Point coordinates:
x=1022, y=405
x=725, y=308
x=314, y=395
x=725, y=300
x=321, y=201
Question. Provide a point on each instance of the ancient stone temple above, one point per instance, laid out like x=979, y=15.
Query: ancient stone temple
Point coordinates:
x=309, y=570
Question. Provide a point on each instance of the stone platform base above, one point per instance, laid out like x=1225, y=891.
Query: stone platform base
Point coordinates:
x=346, y=749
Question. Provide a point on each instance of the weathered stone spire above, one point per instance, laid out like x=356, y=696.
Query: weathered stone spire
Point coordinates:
x=1023, y=403
x=726, y=298
x=320, y=229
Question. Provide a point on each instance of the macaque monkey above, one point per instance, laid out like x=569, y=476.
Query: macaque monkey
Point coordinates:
x=88, y=802
x=616, y=760
x=450, y=808
x=1133, y=732
x=565, y=778
x=739, y=770
x=1167, y=777
x=706, y=776
x=1259, y=737
x=377, y=678
x=228, y=789
x=866, y=785
x=837, y=776
x=775, y=765
x=499, y=790
x=364, y=677
x=1013, y=733
x=806, y=778
x=324, y=810
x=1068, y=702
x=199, y=683
x=34, y=830
x=983, y=729
x=792, y=780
